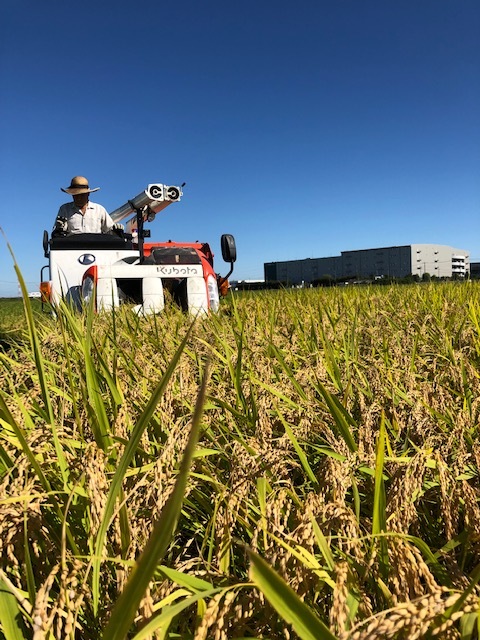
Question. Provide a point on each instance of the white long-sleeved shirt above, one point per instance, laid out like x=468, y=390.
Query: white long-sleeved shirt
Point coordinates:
x=94, y=220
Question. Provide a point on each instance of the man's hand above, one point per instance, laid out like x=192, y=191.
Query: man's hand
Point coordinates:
x=61, y=227
x=61, y=224
x=118, y=229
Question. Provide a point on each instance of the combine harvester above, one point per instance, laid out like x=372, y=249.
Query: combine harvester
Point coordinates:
x=120, y=267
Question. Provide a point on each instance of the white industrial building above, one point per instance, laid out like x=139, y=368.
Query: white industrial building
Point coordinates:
x=397, y=262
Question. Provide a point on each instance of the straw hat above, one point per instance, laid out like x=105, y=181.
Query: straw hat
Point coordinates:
x=78, y=185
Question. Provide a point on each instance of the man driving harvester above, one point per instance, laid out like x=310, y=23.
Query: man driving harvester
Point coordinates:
x=81, y=215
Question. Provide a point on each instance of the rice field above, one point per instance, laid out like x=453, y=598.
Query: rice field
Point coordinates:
x=305, y=464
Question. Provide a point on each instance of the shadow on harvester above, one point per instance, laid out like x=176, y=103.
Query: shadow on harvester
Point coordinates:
x=86, y=245
x=175, y=290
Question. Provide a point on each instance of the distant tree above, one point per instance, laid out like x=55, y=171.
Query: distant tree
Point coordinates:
x=386, y=280
x=426, y=277
x=326, y=280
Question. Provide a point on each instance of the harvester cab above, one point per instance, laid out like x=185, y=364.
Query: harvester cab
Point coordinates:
x=121, y=267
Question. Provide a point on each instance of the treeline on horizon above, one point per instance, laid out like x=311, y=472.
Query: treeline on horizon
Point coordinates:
x=329, y=281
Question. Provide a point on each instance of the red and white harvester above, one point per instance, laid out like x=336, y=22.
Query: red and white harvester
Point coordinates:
x=120, y=267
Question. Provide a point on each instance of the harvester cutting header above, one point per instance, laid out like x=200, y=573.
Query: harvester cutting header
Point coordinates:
x=120, y=267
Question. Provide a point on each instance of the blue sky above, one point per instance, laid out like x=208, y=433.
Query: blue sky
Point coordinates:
x=303, y=129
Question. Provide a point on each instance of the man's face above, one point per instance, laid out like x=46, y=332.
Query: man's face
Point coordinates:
x=81, y=199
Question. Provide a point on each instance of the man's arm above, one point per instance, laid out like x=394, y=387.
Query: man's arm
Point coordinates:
x=108, y=225
x=107, y=222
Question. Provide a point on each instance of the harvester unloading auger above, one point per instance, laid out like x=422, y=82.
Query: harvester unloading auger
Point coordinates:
x=146, y=205
x=121, y=267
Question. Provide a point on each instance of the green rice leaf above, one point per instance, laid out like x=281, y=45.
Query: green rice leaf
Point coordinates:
x=160, y=623
x=379, y=521
x=11, y=622
x=379, y=516
x=194, y=584
x=286, y=602
x=7, y=462
x=322, y=544
x=307, y=559
x=7, y=416
x=29, y=573
x=340, y=415
x=37, y=352
x=299, y=451
x=124, y=462
x=96, y=408
x=475, y=579
x=41, y=370
x=262, y=503
x=268, y=387
x=468, y=626
x=274, y=350
x=127, y=604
